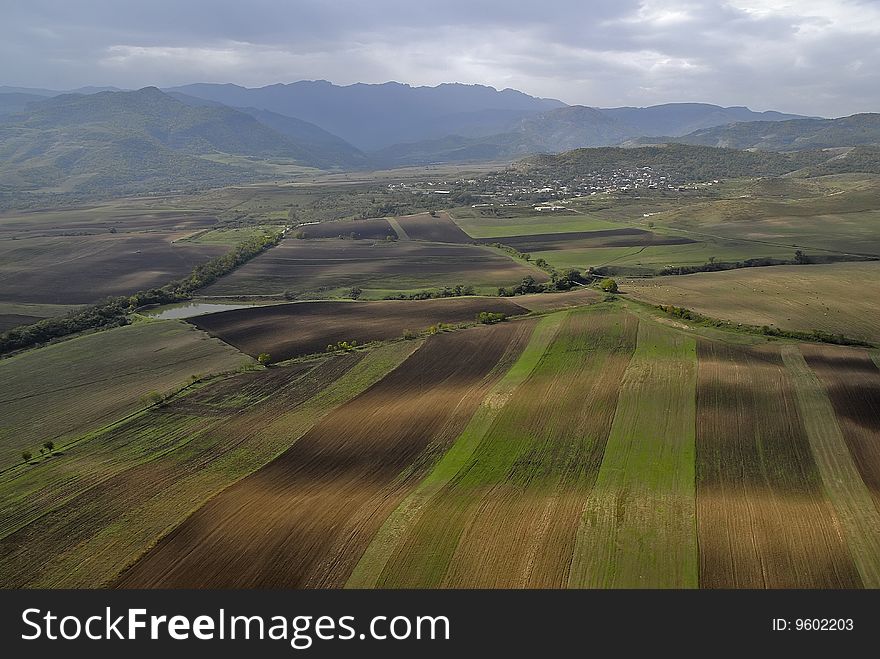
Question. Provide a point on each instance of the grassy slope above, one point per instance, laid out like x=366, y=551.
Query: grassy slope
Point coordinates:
x=849, y=495
x=639, y=527
x=117, y=493
x=835, y=297
x=64, y=390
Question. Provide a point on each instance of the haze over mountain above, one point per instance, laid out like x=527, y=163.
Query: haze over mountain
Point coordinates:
x=376, y=116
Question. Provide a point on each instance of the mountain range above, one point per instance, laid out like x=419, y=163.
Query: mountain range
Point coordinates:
x=206, y=134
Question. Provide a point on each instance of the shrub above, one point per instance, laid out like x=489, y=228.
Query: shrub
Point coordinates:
x=490, y=317
x=264, y=358
x=608, y=285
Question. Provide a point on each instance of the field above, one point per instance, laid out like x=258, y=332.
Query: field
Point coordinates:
x=65, y=390
x=494, y=227
x=591, y=240
x=85, y=269
x=834, y=297
x=763, y=517
x=438, y=228
x=831, y=218
x=324, y=268
x=509, y=516
x=852, y=382
x=324, y=498
x=639, y=525
x=588, y=441
x=92, y=510
x=291, y=330
x=374, y=229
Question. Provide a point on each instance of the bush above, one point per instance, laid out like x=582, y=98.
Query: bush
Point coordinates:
x=608, y=285
x=490, y=317
x=264, y=358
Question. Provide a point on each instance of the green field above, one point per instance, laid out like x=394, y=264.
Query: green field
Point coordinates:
x=639, y=524
x=63, y=391
x=555, y=222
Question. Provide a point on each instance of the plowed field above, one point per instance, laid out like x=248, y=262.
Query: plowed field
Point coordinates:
x=306, y=518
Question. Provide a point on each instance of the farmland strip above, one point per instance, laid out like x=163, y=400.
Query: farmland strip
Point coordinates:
x=851, y=498
x=398, y=229
x=639, y=526
x=369, y=568
x=509, y=517
x=763, y=520
x=305, y=519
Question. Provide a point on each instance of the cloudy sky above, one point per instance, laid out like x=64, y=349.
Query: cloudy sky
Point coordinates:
x=807, y=56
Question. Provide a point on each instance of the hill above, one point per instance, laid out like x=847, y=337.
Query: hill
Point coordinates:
x=679, y=161
x=132, y=141
x=791, y=135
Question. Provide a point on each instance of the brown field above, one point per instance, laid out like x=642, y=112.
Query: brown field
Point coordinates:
x=85, y=269
x=320, y=267
x=763, y=518
x=121, y=490
x=305, y=519
x=837, y=297
x=375, y=229
x=852, y=381
x=291, y=330
x=438, y=229
x=509, y=517
x=543, y=242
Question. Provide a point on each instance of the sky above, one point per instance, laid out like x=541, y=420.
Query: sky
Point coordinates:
x=817, y=57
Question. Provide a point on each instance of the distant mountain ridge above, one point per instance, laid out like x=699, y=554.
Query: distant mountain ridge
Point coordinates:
x=372, y=117
x=791, y=135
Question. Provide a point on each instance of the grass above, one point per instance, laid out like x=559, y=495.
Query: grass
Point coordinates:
x=852, y=500
x=65, y=390
x=120, y=490
x=835, y=298
x=639, y=523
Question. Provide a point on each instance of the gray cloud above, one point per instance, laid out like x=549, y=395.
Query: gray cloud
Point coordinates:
x=809, y=56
